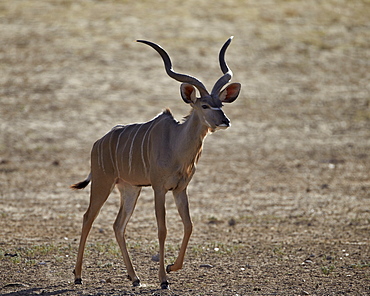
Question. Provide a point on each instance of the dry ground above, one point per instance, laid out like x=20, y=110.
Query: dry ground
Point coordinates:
x=280, y=201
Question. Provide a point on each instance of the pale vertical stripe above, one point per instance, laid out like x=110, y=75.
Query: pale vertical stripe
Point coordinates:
x=102, y=154
x=117, y=146
x=110, y=148
x=124, y=147
x=132, y=145
x=142, y=147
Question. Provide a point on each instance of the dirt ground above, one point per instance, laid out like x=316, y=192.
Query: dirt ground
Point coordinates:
x=280, y=201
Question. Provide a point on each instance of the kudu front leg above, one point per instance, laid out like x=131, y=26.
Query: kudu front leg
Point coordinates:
x=181, y=199
x=160, y=212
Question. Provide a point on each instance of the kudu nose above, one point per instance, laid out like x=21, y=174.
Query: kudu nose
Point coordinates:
x=225, y=122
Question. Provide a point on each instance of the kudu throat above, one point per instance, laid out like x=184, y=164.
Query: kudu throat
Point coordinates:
x=191, y=136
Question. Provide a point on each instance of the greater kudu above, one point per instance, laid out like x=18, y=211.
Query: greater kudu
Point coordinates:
x=161, y=153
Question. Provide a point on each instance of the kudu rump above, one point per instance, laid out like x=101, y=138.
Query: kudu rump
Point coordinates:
x=161, y=153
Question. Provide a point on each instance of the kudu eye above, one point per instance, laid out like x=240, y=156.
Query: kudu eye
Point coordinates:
x=205, y=106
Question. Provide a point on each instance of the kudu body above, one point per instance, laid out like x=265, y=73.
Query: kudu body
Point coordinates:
x=161, y=153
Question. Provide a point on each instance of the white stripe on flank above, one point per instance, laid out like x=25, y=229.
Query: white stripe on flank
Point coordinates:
x=101, y=154
x=142, y=146
x=110, y=148
x=132, y=145
x=124, y=147
x=117, y=146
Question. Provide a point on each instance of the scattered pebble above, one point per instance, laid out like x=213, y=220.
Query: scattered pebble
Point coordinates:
x=324, y=186
x=232, y=222
x=15, y=285
x=206, y=266
x=11, y=255
x=155, y=258
x=4, y=161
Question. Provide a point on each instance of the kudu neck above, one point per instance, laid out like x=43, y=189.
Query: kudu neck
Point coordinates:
x=193, y=131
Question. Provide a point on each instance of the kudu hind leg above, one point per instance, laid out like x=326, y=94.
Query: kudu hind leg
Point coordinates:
x=160, y=212
x=129, y=195
x=98, y=195
x=182, y=204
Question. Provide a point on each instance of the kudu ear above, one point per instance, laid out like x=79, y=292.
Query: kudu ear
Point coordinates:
x=188, y=93
x=230, y=93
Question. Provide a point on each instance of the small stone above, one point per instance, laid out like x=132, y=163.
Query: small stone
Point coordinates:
x=4, y=161
x=11, y=285
x=11, y=255
x=155, y=258
x=324, y=186
x=206, y=266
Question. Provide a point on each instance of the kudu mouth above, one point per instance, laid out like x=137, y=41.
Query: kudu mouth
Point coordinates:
x=224, y=125
x=223, y=80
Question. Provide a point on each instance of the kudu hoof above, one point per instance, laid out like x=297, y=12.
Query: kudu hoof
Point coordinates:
x=135, y=283
x=168, y=268
x=78, y=281
x=165, y=286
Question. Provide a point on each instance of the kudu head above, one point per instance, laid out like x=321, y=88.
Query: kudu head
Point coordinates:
x=209, y=105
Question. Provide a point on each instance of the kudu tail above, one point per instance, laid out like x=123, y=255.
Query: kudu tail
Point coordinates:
x=82, y=184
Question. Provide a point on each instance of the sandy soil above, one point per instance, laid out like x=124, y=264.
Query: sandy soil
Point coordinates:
x=280, y=201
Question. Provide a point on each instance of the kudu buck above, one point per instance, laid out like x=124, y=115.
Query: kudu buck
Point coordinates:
x=161, y=153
